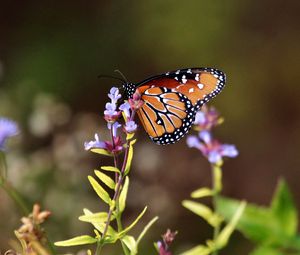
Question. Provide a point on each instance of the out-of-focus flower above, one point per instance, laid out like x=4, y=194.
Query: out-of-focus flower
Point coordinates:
x=207, y=118
x=212, y=149
x=130, y=126
x=168, y=238
x=95, y=144
x=8, y=128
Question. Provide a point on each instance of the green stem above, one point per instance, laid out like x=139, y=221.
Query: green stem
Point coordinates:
x=14, y=195
x=116, y=198
x=217, y=187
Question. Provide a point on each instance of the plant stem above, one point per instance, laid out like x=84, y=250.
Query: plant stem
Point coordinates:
x=217, y=187
x=119, y=181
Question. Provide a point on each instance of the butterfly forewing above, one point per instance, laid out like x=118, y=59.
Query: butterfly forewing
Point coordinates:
x=171, y=101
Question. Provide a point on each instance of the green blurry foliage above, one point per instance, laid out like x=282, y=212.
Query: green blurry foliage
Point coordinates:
x=274, y=228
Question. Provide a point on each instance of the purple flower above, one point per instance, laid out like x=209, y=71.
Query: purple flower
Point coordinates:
x=114, y=95
x=8, y=128
x=130, y=126
x=114, y=127
x=212, y=149
x=111, y=114
x=125, y=107
x=207, y=118
x=94, y=144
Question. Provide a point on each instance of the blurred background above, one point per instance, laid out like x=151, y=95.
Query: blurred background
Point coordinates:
x=51, y=53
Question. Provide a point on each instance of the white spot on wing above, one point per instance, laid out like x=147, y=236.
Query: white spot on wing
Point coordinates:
x=191, y=90
x=200, y=85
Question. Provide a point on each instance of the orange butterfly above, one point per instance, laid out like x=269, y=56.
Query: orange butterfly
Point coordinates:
x=172, y=99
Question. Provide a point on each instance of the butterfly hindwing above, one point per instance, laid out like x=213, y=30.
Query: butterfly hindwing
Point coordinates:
x=166, y=116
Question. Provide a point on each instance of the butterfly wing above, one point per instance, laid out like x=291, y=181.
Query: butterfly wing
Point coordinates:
x=171, y=101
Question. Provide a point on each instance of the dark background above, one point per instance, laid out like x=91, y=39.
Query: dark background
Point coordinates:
x=50, y=56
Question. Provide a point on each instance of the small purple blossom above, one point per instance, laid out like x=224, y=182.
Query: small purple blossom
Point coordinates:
x=130, y=126
x=125, y=107
x=8, y=128
x=114, y=95
x=207, y=118
x=114, y=127
x=95, y=144
x=212, y=149
x=111, y=114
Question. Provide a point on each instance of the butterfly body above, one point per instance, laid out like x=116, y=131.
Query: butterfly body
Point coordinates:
x=172, y=99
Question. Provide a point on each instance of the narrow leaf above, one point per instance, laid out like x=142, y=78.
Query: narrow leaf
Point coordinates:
x=105, y=179
x=123, y=195
x=131, y=244
x=99, y=190
x=203, y=211
x=146, y=228
x=95, y=217
x=222, y=239
x=130, y=156
x=257, y=222
x=284, y=209
x=102, y=152
x=79, y=240
x=198, y=250
x=203, y=192
x=111, y=169
x=129, y=136
x=122, y=233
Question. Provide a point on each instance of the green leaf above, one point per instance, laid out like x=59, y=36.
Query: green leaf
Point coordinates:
x=95, y=217
x=284, y=209
x=203, y=211
x=123, y=195
x=79, y=240
x=131, y=244
x=130, y=156
x=198, y=250
x=111, y=169
x=256, y=223
x=124, y=232
x=99, y=190
x=105, y=179
x=102, y=152
x=265, y=250
x=222, y=239
x=203, y=192
x=146, y=228
x=101, y=225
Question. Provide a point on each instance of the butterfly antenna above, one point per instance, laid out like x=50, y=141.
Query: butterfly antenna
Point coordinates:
x=123, y=76
x=110, y=76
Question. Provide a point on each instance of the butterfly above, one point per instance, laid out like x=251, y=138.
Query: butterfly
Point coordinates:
x=172, y=99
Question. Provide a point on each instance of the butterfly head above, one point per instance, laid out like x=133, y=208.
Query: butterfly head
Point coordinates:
x=129, y=89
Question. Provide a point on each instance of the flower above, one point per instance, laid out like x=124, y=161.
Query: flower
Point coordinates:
x=114, y=95
x=8, y=128
x=136, y=101
x=111, y=114
x=212, y=149
x=130, y=126
x=125, y=108
x=207, y=118
x=94, y=144
x=168, y=238
x=114, y=127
